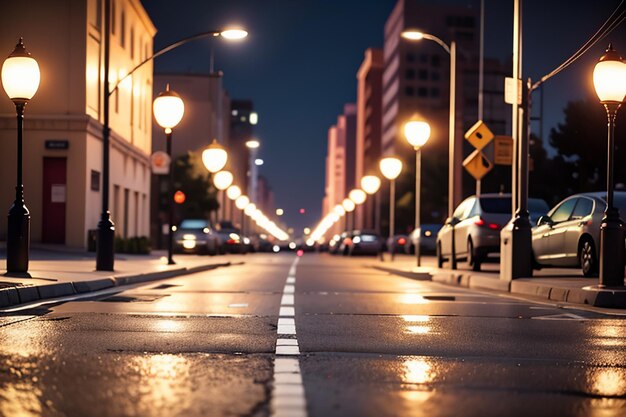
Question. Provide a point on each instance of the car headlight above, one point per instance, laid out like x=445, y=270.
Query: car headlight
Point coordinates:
x=189, y=237
x=189, y=243
x=234, y=236
x=357, y=239
x=246, y=241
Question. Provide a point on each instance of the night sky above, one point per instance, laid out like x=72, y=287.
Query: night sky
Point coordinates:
x=299, y=67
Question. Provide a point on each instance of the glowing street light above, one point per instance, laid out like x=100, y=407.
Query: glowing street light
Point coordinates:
x=357, y=196
x=370, y=184
x=168, y=109
x=391, y=168
x=417, y=133
x=609, y=79
x=233, y=34
x=20, y=79
x=214, y=157
x=222, y=180
x=233, y=192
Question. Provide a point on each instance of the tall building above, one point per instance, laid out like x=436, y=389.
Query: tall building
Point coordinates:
x=368, y=128
x=63, y=122
x=243, y=118
x=416, y=80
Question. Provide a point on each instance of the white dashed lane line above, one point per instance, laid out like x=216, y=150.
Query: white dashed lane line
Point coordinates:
x=288, y=398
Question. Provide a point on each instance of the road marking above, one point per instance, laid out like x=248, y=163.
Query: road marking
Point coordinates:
x=288, y=399
x=566, y=316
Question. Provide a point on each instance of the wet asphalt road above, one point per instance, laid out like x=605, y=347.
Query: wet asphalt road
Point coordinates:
x=370, y=344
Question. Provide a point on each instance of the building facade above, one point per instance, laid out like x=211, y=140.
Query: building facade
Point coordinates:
x=368, y=128
x=63, y=122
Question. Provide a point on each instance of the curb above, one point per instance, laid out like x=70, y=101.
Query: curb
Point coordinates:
x=590, y=296
x=13, y=296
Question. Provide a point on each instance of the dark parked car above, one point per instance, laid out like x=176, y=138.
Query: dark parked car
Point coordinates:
x=196, y=236
x=428, y=239
x=230, y=237
x=476, y=225
x=569, y=235
x=361, y=242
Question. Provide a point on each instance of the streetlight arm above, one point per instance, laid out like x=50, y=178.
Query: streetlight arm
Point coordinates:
x=438, y=40
x=213, y=33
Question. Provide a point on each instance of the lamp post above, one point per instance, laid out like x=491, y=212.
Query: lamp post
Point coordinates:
x=454, y=152
x=417, y=133
x=232, y=193
x=168, y=110
x=105, y=258
x=391, y=167
x=222, y=180
x=339, y=211
x=241, y=202
x=349, y=206
x=358, y=197
x=609, y=79
x=253, y=146
x=370, y=184
x=20, y=79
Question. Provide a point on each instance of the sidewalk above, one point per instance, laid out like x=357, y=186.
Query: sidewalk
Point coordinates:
x=554, y=284
x=57, y=271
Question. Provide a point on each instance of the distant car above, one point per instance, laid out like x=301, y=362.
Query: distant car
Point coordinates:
x=362, y=242
x=396, y=244
x=428, y=239
x=476, y=225
x=230, y=237
x=196, y=236
x=569, y=235
x=335, y=243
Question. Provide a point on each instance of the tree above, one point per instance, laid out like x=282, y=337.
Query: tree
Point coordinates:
x=582, y=141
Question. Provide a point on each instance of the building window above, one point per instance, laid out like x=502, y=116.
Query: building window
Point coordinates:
x=410, y=74
x=410, y=57
x=423, y=74
x=422, y=92
x=435, y=76
x=435, y=60
x=95, y=180
x=424, y=58
x=123, y=29
x=434, y=92
x=132, y=43
x=409, y=91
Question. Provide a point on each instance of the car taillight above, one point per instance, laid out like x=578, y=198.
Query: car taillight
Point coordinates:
x=482, y=223
x=402, y=241
x=231, y=241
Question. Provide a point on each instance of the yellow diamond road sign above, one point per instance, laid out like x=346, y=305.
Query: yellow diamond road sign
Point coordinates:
x=479, y=135
x=477, y=164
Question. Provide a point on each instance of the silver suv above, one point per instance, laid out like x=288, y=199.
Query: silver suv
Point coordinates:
x=476, y=225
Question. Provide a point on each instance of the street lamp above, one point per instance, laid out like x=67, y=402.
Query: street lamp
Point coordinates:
x=241, y=202
x=168, y=109
x=349, y=206
x=20, y=79
x=214, y=157
x=105, y=258
x=233, y=192
x=253, y=146
x=370, y=184
x=357, y=196
x=391, y=168
x=417, y=133
x=609, y=79
x=454, y=151
x=222, y=180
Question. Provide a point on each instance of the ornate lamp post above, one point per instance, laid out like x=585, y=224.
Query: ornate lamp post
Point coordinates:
x=358, y=197
x=233, y=192
x=241, y=202
x=417, y=133
x=370, y=184
x=168, y=109
x=20, y=79
x=609, y=79
x=214, y=157
x=349, y=206
x=253, y=146
x=222, y=180
x=391, y=168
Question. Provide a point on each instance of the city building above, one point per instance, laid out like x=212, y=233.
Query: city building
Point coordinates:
x=63, y=122
x=243, y=118
x=368, y=128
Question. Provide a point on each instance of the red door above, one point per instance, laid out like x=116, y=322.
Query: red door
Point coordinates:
x=54, y=197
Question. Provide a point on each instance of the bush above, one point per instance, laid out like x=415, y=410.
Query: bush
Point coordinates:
x=133, y=245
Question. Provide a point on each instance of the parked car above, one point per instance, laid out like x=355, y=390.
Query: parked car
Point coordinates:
x=428, y=239
x=334, y=245
x=396, y=244
x=476, y=225
x=230, y=237
x=362, y=242
x=569, y=235
x=196, y=236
